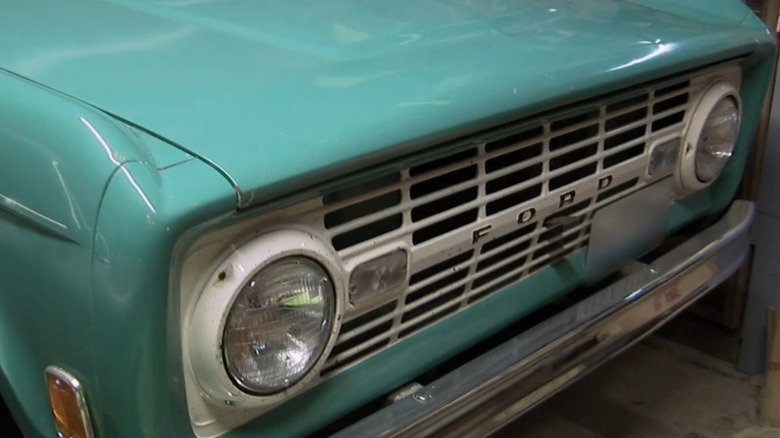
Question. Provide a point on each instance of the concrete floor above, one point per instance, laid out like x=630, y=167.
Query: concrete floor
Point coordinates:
x=657, y=389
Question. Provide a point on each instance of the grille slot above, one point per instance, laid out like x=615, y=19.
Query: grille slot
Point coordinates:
x=436, y=300
x=440, y=267
x=609, y=193
x=435, y=314
x=457, y=158
x=624, y=137
x=513, y=179
x=623, y=155
x=515, y=139
x=571, y=137
x=578, y=119
x=624, y=119
x=670, y=106
x=441, y=182
x=672, y=88
x=436, y=286
x=627, y=103
x=512, y=158
x=510, y=255
x=572, y=176
x=668, y=121
x=670, y=103
x=435, y=207
x=513, y=199
x=499, y=242
x=444, y=226
x=367, y=232
x=361, y=209
x=443, y=204
x=573, y=156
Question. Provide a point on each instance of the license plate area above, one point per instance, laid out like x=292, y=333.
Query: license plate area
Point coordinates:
x=627, y=228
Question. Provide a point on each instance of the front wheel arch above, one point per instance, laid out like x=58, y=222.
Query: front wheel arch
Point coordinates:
x=8, y=426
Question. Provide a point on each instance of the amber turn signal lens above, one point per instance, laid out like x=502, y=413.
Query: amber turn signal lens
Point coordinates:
x=68, y=405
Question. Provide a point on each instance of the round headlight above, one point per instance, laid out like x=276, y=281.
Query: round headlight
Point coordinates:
x=717, y=139
x=711, y=137
x=265, y=319
x=279, y=325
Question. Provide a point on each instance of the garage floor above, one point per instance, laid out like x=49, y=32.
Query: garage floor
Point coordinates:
x=657, y=389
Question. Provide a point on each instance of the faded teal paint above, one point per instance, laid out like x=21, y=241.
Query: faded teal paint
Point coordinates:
x=303, y=86
x=57, y=156
x=320, y=92
x=723, y=12
x=138, y=370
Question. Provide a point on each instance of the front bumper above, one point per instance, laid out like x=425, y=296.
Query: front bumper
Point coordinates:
x=491, y=390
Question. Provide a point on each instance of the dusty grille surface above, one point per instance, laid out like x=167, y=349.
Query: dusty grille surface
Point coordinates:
x=493, y=212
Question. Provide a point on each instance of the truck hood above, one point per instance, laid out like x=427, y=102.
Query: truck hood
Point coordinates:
x=276, y=95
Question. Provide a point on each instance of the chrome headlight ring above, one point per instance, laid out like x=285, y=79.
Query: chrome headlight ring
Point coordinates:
x=711, y=136
x=224, y=288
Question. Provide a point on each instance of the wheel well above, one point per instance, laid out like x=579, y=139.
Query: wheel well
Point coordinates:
x=7, y=425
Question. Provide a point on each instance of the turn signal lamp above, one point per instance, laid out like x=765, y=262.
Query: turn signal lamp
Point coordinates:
x=68, y=405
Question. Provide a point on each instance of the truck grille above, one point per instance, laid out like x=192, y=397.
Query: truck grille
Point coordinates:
x=515, y=183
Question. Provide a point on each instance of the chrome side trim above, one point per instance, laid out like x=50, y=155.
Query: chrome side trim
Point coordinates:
x=491, y=390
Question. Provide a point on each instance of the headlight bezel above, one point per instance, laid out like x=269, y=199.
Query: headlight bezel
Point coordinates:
x=688, y=180
x=220, y=291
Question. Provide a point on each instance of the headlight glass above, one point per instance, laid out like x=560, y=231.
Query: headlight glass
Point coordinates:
x=717, y=139
x=279, y=325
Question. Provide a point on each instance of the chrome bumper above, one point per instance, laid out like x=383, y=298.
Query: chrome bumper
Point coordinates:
x=491, y=390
